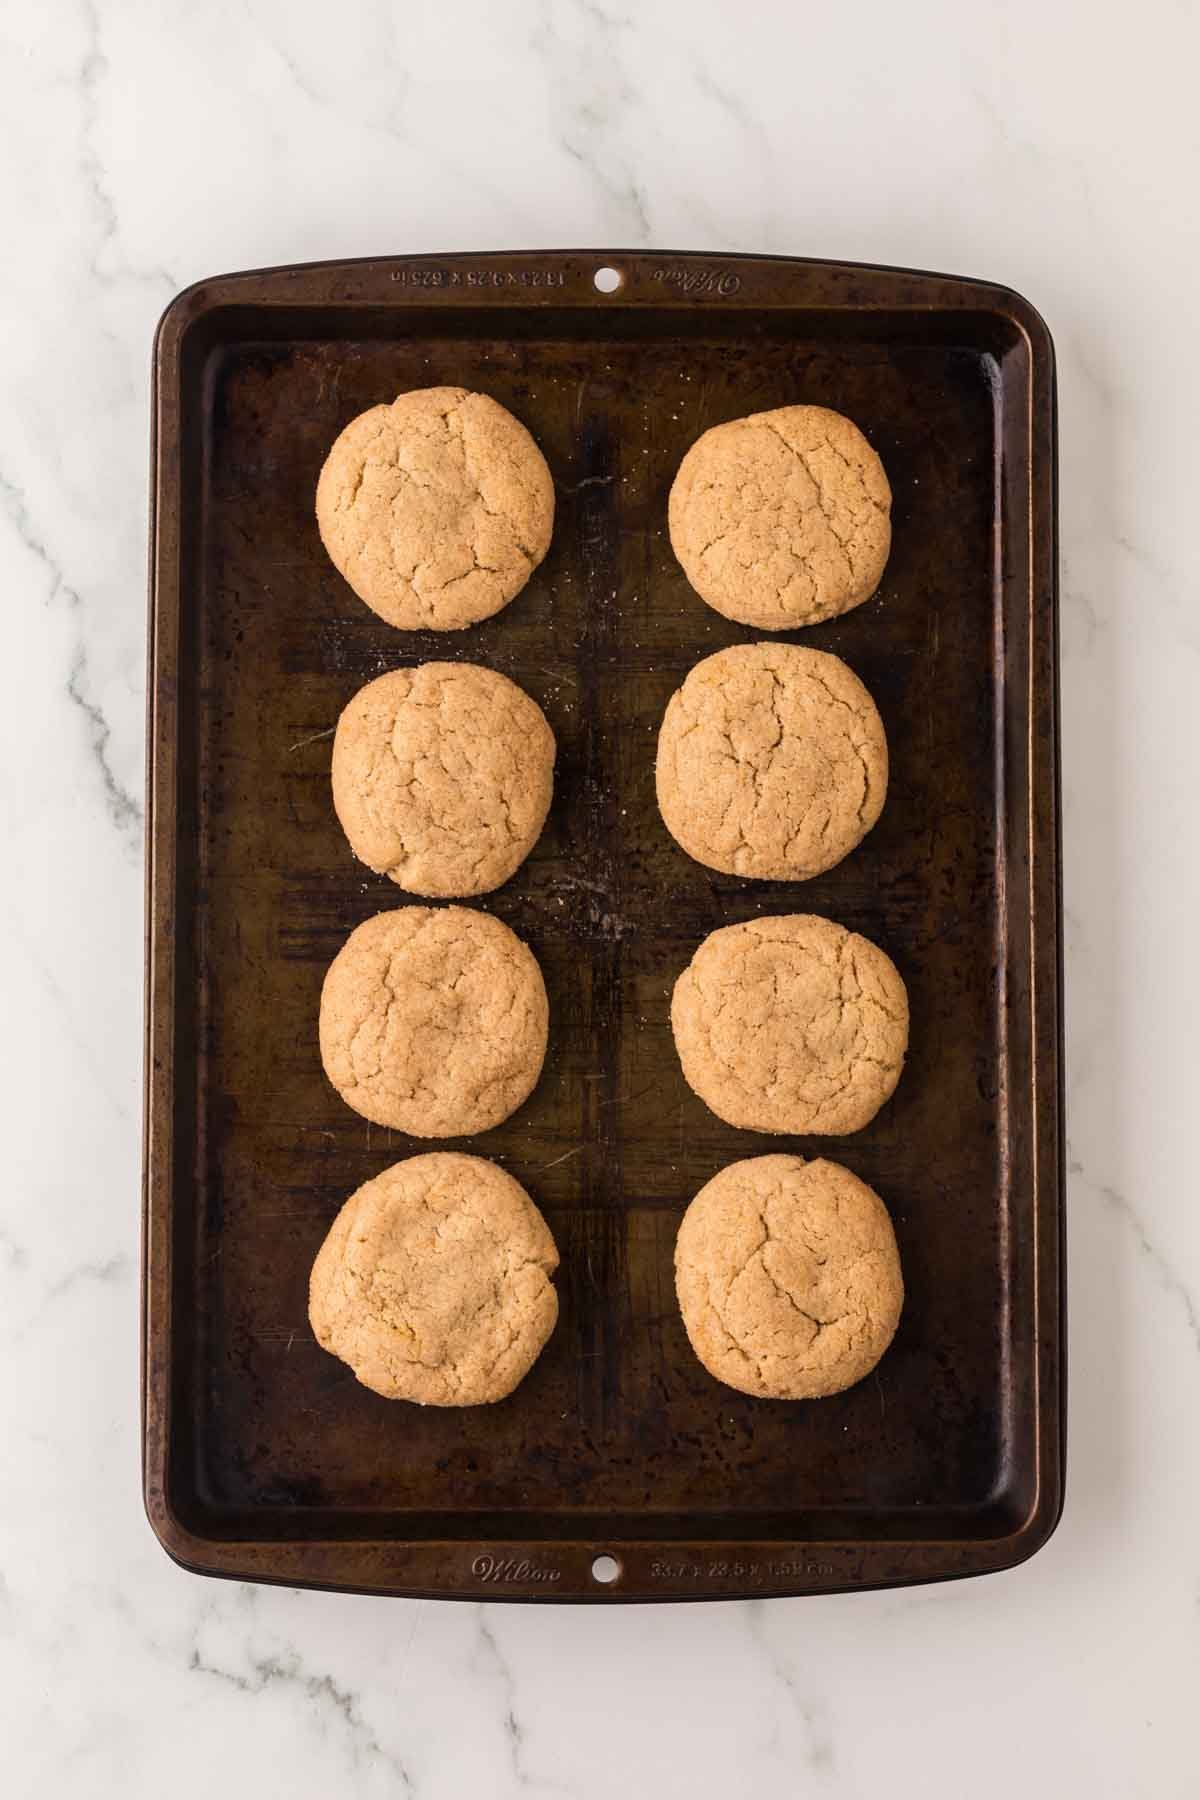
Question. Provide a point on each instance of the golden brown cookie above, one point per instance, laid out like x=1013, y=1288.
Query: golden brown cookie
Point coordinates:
x=782, y=518
x=772, y=762
x=434, y=1282
x=434, y=1021
x=791, y=1024
x=788, y=1277
x=442, y=777
x=436, y=508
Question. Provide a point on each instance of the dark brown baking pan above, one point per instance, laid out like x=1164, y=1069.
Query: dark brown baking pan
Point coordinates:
x=264, y=1459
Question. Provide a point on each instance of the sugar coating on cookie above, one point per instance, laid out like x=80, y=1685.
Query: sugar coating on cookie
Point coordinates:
x=433, y=1021
x=791, y=1024
x=772, y=762
x=436, y=508
x=434, y=1282
x=782, y=518
x=788, y=1277
x=442, y=777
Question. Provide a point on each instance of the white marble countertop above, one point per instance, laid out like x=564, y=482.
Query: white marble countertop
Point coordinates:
x=148, y=144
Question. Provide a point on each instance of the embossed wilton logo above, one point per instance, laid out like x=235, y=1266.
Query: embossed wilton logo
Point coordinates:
x=698, y=281
x=494, y=1568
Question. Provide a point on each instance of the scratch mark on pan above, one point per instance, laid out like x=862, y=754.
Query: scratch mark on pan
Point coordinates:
x=314, y=739
x=565, y=1157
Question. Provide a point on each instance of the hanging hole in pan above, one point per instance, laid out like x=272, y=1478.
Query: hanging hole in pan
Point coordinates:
x=608, y=280
x=606, y=1570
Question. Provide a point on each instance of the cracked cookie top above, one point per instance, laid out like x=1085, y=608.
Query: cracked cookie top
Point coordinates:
x=434, y=1282
x=442, y=777
x=791, y=1024
x=772, y=762
x=782, y=518
x=434, y=1021
x=436, y=508
x=788, y=1277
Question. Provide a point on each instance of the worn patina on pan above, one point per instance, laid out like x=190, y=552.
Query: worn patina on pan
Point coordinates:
x=263, y=1458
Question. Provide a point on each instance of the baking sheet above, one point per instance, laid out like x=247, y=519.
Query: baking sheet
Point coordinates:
x=264, y=1458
